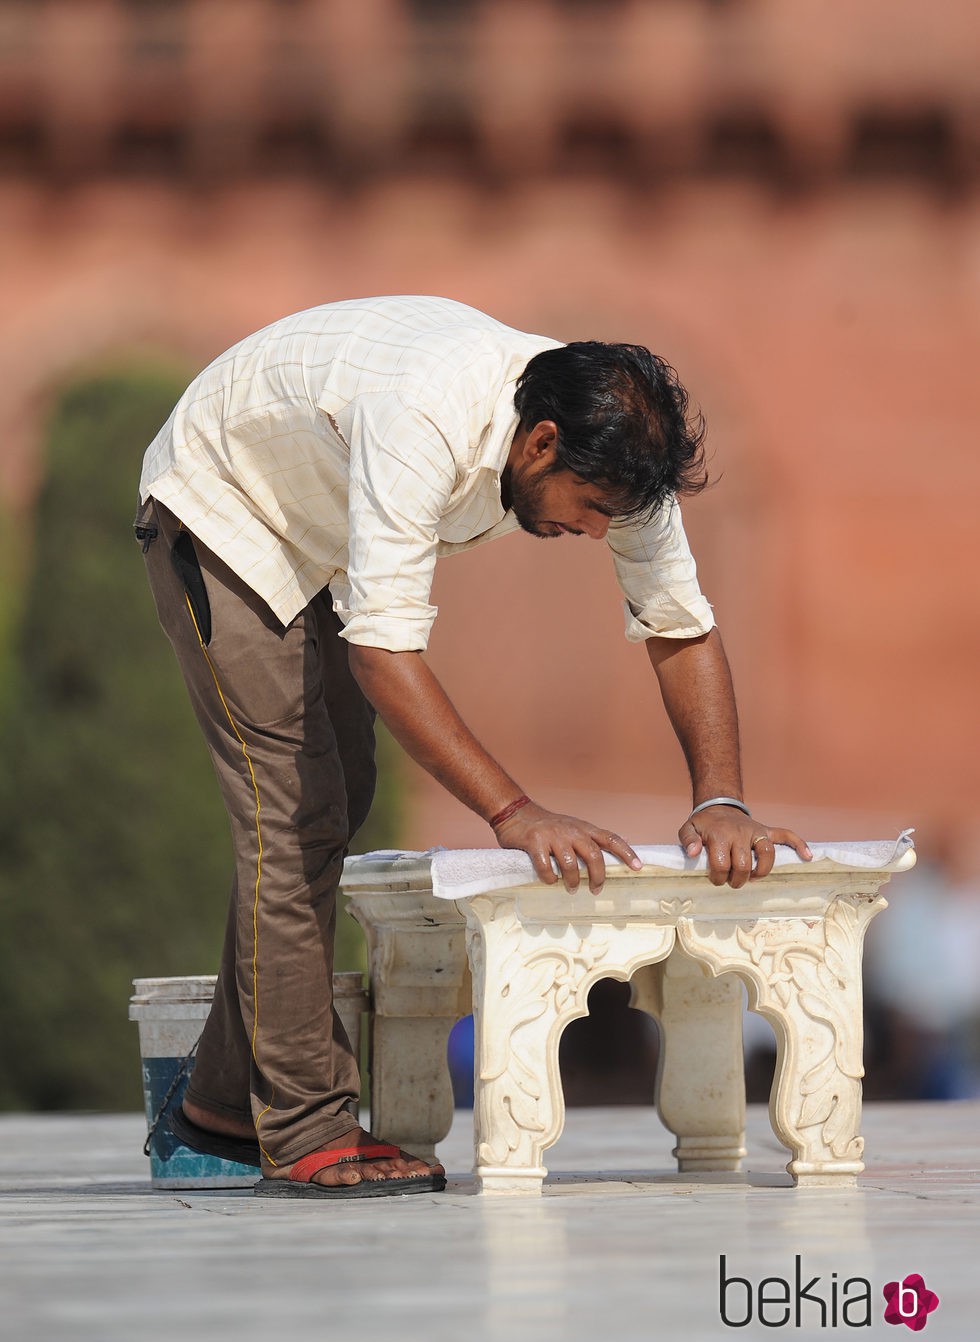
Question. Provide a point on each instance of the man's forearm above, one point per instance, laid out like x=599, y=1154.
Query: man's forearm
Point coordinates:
x=696, y=685
x=418, y=713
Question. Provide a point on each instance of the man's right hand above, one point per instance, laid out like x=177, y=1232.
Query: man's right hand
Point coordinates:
x=555, y=844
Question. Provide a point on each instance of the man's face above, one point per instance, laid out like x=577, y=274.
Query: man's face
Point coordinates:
x=549, y=502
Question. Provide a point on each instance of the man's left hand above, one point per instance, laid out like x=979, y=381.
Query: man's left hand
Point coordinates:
x=732, y=840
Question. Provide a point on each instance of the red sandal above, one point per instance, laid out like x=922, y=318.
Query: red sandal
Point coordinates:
x=300, y=1182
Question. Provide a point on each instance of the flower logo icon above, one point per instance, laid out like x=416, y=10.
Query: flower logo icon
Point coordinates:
x=909, y=1302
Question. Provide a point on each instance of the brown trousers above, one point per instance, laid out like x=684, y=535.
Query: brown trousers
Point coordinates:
x=292, y=741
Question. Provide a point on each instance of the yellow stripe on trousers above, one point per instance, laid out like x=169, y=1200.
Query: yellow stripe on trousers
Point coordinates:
x=258, y=863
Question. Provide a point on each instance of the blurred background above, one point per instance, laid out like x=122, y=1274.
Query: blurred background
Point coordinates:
x=781, y=198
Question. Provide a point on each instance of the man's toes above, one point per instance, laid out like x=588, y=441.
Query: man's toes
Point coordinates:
x=373, y=1170
x=338, y=1174
x=396, y=1168
x=402, y=1166
x=416, y=1165
x=412, y=1166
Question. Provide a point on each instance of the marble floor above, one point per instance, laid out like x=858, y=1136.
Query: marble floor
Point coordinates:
x=90, y=1252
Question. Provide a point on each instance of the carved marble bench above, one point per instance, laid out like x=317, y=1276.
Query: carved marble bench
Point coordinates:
x=448, y=932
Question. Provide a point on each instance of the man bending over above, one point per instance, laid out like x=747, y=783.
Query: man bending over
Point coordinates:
x=291, y=513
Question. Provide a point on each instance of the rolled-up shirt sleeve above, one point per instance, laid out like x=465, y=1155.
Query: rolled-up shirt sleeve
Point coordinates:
x=402, y=473
x=658, y=577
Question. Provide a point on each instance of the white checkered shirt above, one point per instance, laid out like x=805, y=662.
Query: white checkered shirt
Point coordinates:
x=352, y=444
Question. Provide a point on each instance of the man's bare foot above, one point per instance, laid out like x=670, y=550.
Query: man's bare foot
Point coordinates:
x=402, y=1166
x=212, y=1122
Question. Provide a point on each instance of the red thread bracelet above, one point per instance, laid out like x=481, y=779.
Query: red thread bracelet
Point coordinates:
x=508, y=811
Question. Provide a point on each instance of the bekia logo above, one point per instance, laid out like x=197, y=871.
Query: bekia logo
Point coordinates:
x=780, y=1302
x=910, y=1302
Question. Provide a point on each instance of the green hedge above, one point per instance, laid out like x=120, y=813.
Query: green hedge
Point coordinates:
x=116, y=855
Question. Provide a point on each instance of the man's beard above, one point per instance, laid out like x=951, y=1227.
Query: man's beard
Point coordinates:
x=525, y=504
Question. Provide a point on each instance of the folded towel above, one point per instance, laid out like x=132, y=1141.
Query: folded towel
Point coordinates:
x=462, y=872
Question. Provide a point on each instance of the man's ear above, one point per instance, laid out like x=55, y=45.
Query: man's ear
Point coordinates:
x=541, y=444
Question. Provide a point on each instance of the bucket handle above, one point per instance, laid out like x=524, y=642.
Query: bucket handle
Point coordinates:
x=179, y=1075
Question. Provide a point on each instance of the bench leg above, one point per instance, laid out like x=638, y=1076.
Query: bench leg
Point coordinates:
x=411, y=1091
x=528, y=983
x=700, y=1093
x=420, y=987
x=804, y=976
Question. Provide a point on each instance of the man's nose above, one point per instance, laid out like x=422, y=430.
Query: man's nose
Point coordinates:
x=596, y=525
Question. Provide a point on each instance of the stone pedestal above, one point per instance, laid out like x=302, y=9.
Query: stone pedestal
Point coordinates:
x=794, y=940
x=419, y=983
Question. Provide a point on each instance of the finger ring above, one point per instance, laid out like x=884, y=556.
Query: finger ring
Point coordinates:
x=760, y=838
x=567, y=857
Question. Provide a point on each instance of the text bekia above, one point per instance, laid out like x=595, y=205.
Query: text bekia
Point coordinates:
x=777, y=1302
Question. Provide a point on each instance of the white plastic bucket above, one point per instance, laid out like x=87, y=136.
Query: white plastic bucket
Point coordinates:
x=171, y=1015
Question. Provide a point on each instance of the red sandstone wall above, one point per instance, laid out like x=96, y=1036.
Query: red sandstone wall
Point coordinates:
x=830, y=334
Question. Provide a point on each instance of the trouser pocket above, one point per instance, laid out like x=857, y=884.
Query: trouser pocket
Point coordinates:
x=144, y=528
x=184, y=559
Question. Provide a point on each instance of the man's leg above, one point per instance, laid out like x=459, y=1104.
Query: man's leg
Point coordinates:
x=273, y=1039
x=351, y=714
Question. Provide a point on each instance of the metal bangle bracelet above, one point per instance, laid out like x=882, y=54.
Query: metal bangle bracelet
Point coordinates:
x=721, y=801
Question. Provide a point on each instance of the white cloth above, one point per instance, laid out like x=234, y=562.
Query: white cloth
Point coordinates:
x=352, y=444
x=463, y=872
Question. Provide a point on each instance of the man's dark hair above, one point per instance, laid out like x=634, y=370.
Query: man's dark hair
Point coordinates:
x=623, y=423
